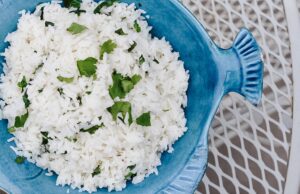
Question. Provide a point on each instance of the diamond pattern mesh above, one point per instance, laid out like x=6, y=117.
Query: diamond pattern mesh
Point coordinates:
x=249, y=145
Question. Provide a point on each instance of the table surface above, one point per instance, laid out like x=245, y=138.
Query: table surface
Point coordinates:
x=249, y=146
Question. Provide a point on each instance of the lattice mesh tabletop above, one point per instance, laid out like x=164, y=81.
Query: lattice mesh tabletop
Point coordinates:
x=249, y=145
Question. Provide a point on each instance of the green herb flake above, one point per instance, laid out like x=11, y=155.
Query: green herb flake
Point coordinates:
x=22, y=84
x=20, y=159
x=26, y=100
x=87, y=67
x=136, y=26
x=88, y=92
x=72, y=3
x=40, y=90
x=60, y=91
x=20, y=120
x=76, y=28
x=78, y=11
x=106, y=3
x=156, y=61
x=45, y=138
x=130, y=176
x=136, y=78
x=132, y=46
x=144, y=120
x=42, y=13
x=107, y=47
x=132, y=167
x=47, y=23
x=92, y=130
x=141, y=60
x=123, y=108
x=11, y=129
x=120, y=32
x=122, y=85
x=65, y=79
x=38, y=67
x=72, y=139
x=79, y=99
x=96, y=171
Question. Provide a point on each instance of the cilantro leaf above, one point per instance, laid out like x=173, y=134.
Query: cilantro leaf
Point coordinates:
x=107, y=47
x=72, y=3
x=78, y=11
x=92, y=130
x=135, y=79
x=156, y=61
x=20, y=159
x=20, y=120
x=120, y=32
x=106, y=3
x=87, y=67
x=123, y=108
x=47, y=23
x=141, y=60
x=122, y=85
x=22, y=84
x=76, y=28
x=96, y=171
x=136, y=26
x=65, y=79
x=26, y=100
x=11, y=129
x=45, y=138
x=132, y=46
x=144, y=119
x=60, y=91
x=42, y=13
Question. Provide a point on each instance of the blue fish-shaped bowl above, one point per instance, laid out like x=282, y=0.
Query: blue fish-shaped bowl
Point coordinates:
x=214, y=72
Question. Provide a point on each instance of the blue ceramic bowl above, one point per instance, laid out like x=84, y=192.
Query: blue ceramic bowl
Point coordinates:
x=213, y=73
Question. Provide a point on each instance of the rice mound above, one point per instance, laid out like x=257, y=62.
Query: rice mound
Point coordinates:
x=59, y=110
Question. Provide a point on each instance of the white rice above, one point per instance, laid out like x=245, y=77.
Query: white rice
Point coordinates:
x=116, y=146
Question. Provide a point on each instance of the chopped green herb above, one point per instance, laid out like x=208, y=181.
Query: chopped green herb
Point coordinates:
x=20, y=159
x=38, y=67
x=22, y=84
x=123, y=108
x=93, y=129
x=132, y=46
x=130, y=175
x=45, y=138
x=106, y=3
x=72, y=3
x=60, y=91
x=96, y=171
x=88, y=92
x=156, y=61
x=78, y=11
x=144, y=120
x=136, y=78
x=132, y=167
x=122, y=85
x=26, y=100
x=65, y=79
x=87, y=67
x=107, y=47
x=47, y=23
x=79, y=100
x=127, y=85
x=11, y=129
x=42, y=13
x=136, y=26
x=120, y=32
x=76, y=28
x=20, y=120
x=72, y=139
x=141, y=60
x=40, y=90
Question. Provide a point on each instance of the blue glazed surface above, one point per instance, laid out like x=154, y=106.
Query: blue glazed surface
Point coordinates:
x=213, y=73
